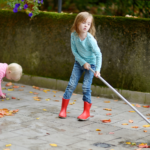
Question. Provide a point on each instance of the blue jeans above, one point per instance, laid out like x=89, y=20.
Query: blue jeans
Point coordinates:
x=87, y=81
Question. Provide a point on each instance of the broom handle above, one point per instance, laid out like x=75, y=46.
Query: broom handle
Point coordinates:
x=121, y=97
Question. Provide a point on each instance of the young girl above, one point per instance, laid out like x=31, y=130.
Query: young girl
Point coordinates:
x=11, y=72
x=87, y=54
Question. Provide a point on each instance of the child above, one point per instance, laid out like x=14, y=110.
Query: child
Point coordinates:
x=87, y=54
x=11, y=72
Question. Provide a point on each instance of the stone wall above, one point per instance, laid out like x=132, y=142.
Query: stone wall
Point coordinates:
x=42, y=47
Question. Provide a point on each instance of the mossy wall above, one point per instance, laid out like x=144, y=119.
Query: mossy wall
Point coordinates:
x=42, y=47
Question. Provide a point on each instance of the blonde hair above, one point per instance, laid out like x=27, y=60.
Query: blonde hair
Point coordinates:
x=16, y=71
x=80, y=18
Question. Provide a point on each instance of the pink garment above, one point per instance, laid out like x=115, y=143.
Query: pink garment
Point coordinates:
x=3, y=67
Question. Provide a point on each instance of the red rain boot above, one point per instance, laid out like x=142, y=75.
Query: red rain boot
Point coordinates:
x=64, y=105
x=86, y=113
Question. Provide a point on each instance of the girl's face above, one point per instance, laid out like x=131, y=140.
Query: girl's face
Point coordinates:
x=85, y=25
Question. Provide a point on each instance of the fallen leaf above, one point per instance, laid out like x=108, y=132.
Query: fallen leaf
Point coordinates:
x=7, y=98
x=134, y=127
x=147, y=114
x=48, y=99
x=132, y=111
x=100, y=133
x=107, y=109
x=35, y=93
x=74, y=100
x=37, y=99
x=37, y=118
x=137, y=105
x=124, y=124
x=8, y=84
x=15, y=86
x=132, y=104
x=22, y=86
x=128, y=143
x=10, y=89
x=8, y=145
x=130, y=121
x=70, y=103
x=97, y=97
x=15, y=111
x=3, y=88
x=144, y=130
x=56, y=100
x=54, y=96
x=108, y=114
x=68, y=112
x=98, y=130
x=146, y=126
x=106, y=121
x=115, y=100
x=106, y=101
x=30, y=92
x=13, y=97
x=44, y=109
x=53, y=145
x=146, y=106
x=6, y=149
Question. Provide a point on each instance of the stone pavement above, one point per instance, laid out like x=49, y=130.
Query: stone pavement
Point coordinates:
x=37, y=125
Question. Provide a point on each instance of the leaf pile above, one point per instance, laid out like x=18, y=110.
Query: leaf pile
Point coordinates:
x=6, y=112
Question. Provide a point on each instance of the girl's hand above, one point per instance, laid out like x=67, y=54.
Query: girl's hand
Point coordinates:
x=96, y=74
x=3, y=96
x=86, y=66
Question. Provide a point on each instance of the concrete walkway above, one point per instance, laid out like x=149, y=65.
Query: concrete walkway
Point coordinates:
x=37, y=125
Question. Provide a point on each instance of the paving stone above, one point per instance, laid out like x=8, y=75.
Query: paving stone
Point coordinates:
x=33, y=128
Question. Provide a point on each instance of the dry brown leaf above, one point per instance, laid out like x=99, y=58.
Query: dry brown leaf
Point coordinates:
x=35, y=93
x=124, y=123
x=137, y=105
x=56, y=100
x=144, y=130
x=106, y=121
x=98, y=130
x=134, y=127
x=9, y=84
x=15, y=86
x=132, y=111
x=107, y=109
x=108, y=114
x=130, y=121
x=100, y=133
x=106, y=101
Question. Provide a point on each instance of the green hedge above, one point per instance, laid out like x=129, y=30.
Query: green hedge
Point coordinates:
x=42, y=47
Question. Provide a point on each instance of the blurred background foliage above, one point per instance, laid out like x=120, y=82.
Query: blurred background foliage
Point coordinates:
x=139, y=8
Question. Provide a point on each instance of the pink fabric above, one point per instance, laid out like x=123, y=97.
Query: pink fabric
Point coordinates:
x=3, y=67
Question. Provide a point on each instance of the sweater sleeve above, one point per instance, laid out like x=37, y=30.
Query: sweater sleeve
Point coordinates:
x=0, y=84
x=96, y=50
x=75, y=52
